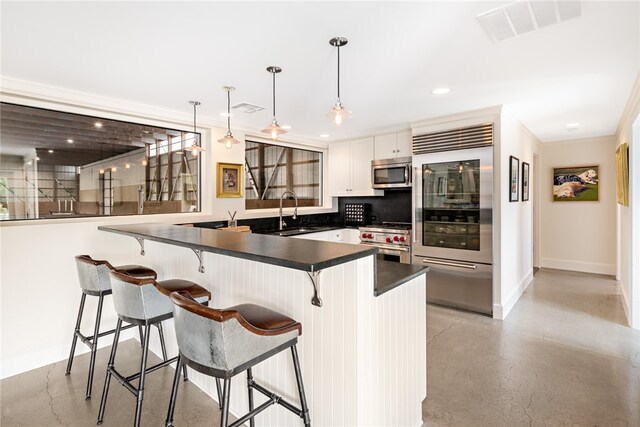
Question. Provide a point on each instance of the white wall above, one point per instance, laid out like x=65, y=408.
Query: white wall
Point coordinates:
x=579, y=236
x=628, y=235
x=515, y=219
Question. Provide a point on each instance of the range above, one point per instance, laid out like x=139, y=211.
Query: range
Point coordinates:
x=393, y=240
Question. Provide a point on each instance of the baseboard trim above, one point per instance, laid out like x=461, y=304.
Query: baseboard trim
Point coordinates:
x=18, y=363
x=625, y=304
x=581, y=266
x=501, y=311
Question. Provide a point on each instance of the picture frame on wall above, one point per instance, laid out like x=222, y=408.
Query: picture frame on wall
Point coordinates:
x=525, y=181
x=576, y=184
x=230, y=180
x=514, y=169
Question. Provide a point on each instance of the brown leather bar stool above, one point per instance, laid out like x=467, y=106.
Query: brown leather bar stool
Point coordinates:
x=223, y=343
x=143, y=302
x=94, y=280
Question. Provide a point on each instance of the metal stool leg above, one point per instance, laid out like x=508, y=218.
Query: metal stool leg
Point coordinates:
x=94, y=348
x=112, y=358
x=303, y=398
x=252, y=422
x=224, y=414
x=174, y=394
x=162, y=344
x=76, y=331
x=143, y=374
x=141, y=336
x=219, y=393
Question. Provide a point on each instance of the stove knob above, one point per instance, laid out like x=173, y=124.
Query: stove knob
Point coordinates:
x=388, y=239
x=369, y=236
x=395, y=238
x=364, y=235
x=402, y=239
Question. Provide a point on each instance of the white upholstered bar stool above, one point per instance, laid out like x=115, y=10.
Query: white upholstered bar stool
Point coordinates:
x=94, y=280
x=143, y=302
x=223, y=343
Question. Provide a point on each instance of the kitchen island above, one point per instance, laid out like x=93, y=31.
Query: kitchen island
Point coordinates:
x=363, y=357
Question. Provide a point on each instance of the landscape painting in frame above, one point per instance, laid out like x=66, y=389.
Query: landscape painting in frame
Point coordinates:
x=575, y=184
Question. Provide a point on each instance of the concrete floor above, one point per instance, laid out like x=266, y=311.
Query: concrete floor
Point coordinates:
x=563, y=357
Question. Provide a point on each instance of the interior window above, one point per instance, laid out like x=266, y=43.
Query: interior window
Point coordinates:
x=58, y=165
x=271, y=170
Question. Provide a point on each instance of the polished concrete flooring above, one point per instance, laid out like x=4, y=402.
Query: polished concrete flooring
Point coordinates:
x=563, y=357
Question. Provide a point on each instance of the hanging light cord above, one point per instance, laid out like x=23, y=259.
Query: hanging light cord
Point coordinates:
x=338, y=72
x=274, y=95
x=195, y=136
x=229, y=111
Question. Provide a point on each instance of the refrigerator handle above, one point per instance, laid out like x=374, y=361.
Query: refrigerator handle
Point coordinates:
x=416, y=195
x=449, y=263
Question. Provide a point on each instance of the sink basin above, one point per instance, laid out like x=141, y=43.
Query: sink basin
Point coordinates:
x=300, y=230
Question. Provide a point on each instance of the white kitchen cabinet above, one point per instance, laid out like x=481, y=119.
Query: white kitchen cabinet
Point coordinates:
x=350, y=168
x=392, y=145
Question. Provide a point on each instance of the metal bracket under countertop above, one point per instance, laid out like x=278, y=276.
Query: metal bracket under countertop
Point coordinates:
x=141, y=242
x=198, y=253
x=313, y=275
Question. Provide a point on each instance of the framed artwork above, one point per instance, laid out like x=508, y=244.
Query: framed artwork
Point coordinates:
x=622, y=174
x=575, y=184
x=230, y=179
x=514, y=168
x=525, y=181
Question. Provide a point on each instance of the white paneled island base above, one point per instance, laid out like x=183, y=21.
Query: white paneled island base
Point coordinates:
x=363, y=358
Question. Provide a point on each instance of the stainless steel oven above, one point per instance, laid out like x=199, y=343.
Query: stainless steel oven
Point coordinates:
x=391, y=173
x=393, y=241
x=453, y=198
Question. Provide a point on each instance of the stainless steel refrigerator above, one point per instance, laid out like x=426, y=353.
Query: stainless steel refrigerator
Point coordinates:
x=453, y=198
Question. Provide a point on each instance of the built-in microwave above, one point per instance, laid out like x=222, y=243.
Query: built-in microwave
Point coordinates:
x=391, y=173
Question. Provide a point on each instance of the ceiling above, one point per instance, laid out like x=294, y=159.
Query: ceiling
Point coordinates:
x=166, y=53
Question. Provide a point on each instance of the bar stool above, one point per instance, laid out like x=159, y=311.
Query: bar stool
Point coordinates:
x=223, y=343
x=94, y=280
x=143, y=302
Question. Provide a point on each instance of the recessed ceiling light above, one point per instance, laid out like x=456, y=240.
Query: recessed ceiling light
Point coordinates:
x=573, y=126
x=51, y=151
x=226, y=114
x=324, y=135
x=37, y=158
x=441, y=91
x=70, y=141
x=127, y=166
x=98, y=124
x=29, y=163
x=286, y=127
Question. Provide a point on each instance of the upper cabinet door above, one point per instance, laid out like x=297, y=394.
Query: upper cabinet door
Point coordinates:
x=385, y=146
x=361, y=156
x=340, y=169
x=404, y=144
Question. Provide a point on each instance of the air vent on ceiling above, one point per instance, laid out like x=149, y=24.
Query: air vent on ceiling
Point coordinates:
x=520, y=17
x=245, y=107
x=454, y=139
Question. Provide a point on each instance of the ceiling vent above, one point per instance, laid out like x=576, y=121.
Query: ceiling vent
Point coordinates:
x=521, y=17
x=245, y=107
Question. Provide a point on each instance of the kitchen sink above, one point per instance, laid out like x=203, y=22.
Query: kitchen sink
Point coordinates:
x=300, y=230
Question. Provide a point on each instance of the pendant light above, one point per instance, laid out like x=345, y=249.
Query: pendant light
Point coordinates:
x=195, y=148
x=228, y=139
x=274, y=130
x=338, y=113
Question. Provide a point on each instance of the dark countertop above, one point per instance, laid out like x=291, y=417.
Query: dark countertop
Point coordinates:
x=390, y=275
x=299, y=254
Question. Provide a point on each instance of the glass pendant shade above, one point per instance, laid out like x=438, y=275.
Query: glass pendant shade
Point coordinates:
x=338, y=114
x=274, y=130
x=228, y=139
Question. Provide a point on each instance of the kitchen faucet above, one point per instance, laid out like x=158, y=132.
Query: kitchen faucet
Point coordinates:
x=281, y=223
